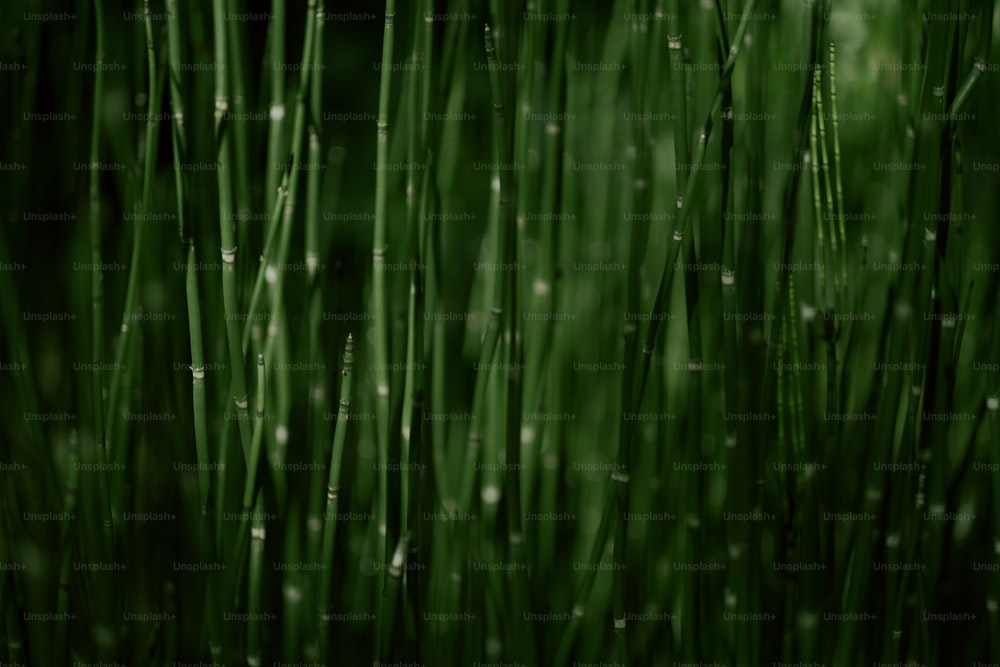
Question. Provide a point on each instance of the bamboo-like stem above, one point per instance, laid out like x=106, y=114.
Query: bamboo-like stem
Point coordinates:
x=66, y=549
x=684, y=201
x=134, y=278
x=187, y=236
x=251, y=489
x=275, y=272
x=332, y=497
x=392, y=585
x=250, y=484
x=831, y=214
x=100, y=453
x=179, y=140
x=238, y=124
x=226, y=226
x=836, y=163
x=276, y=113
x=814, y=168
x=583, y=593
x=317, y=429
x=980, y=62
x=678, y=84
x=414, y=190
x=993, y=412
x=270, y=250
x=258, y=535
x=381, y=293
x=9, y=592
x=314, y=179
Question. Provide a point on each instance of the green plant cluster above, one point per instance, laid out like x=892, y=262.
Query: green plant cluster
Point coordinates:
x=455, y=332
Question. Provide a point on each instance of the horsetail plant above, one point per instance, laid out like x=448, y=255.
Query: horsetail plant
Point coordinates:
x=461, y=452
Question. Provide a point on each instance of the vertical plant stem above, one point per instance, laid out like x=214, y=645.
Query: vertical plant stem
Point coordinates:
x=226, y=225
x=836, y=163
x=381, y=292
x=67, y=540
x=275, y=272
x=333, y=495
x=97, y=287
x=276, y=113
x=258, y=535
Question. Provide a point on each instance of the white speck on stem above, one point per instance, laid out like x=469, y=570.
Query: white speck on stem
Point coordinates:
x=293, y=593
x=490, y=495
x=277, y=112
x=281, y=434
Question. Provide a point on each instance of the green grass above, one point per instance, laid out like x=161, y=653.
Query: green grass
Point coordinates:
x=499, y=333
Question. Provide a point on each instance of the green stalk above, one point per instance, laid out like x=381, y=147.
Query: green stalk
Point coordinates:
x=97, y=288
x=392, y=585
x=381, y=292
x=508, y=286
x=67, y=538
x=317, y=429
x=132, y=305
x=993, y=410
x=252, y=496
x=276, y=115
x=836, y=162
x=980, y=61
x=179, y=139
x=831, y=215
x=814, y=168
x=551, y=353
x=226, y=226
x=10, y=596
x=332, y=496
x=198, y=390
x=583, y=593
x=275, y=273
x=314, y=180
x=238, y=127
x=414, y=190
x=684, y=202
x=254, y=601
x=270, y=250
